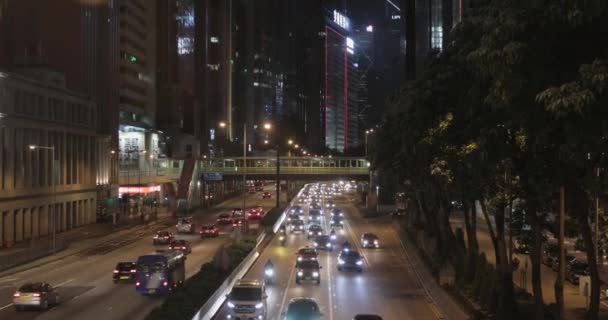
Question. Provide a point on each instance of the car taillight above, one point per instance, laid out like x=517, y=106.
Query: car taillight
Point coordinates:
x=115, y=271
x=17, y=294
x=137, y=284
x=165, y=283
x=133, y=270
x=36, y=294
x=184, y=248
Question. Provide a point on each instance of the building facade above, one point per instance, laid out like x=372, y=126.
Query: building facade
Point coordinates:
x=49, y=151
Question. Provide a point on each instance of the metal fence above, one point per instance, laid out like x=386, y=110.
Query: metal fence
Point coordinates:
x=36, y=250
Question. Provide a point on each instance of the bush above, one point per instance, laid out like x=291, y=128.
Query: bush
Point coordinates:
x=187, y=300
x=272, y=216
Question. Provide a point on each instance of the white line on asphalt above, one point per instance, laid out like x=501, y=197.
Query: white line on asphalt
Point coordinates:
x=9, y=279
x=291, y=275
x=63, y=283
x=331, y=302
x=357, y=245
x=6, y=306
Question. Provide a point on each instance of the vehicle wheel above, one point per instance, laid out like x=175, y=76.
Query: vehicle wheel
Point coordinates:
x=44, y=305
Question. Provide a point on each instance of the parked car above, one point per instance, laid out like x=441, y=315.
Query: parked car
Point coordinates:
x=575, y=269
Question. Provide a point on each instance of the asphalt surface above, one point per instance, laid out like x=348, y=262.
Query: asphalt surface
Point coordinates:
x=386, y=286
x=84, y=281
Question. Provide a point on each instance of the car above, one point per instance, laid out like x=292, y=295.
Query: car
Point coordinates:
x=224, y=218
x=237, y=212
x=307, y=253
x=303, y=309
x=336, y=212
x=124, y=271
x=308, y=270
x=255, y=213
x=237, y=222
x=323, y=242
x=162, y=237
x=369, y=240
x=296, y=210
x=291, y=217
x=185, y=225
x=252, y=190
x=568, y=258
x=209, y=230
x=297, y=226
x=330, y=205
x=314, y=230
x=314, y=216
x=247, y=300
x=576, y=269
x=259, y=188
x=181, y=245
x=336, y=222
x=367, y=317
x=266, y=195
x=349, y=260
x=549, y=253
x=39, y=295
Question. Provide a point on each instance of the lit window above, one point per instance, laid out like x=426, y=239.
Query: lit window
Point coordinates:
x=214, y=40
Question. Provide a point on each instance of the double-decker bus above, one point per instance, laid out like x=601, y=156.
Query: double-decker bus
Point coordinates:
x=159, y=273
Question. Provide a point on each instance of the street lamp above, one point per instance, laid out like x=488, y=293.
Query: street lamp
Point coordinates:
x=34, y=147
x=289, y=142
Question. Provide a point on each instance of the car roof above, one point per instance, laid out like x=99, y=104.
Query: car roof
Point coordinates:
x=369, y=235
x=353, y=253
x=209, y=226
x=162, y=232
x=303, y=300
x=32, y=286
x=307, y=250
x=249, y=283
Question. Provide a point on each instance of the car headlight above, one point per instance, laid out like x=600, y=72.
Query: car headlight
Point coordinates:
x=328, y=244
x=300, y=273
x=341, y=222
x=230, y=304
x=319, y=233
x=340, y=261
x=299, y=258
x=333, y=237
x=309, y=232
x=360, y=262
x=269, y=272
x=316, y=244
x=376, y=242
x=259, y=305
x=365, y=242
x=315, y=274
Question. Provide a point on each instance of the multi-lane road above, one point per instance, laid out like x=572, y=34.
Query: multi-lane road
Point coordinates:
x=387, y=286
x=84, y=281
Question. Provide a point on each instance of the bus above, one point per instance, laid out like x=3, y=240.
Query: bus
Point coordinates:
x=160, y=273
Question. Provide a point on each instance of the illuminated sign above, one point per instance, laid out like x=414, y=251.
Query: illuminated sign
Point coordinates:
x=369, y=28
x=137, y=190
x=350, y=45
x=341, y=20
x=396, y=17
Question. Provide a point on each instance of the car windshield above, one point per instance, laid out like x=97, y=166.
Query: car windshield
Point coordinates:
x=246, y=294
x=369, y=236
x=224, y=215
x=322, y=239
x=350, y=254
x=579, y=266
x=31, y=287
x=184, y=221
x=308, y=264
x=307, y=251
x=178, y=243
x=163, y=233
x=125, y=265
x=208, y=227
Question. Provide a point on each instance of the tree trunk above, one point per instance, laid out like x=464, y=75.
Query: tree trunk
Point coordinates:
x=535, y=246
x=594, y=302
x=506, y=302
x=486, y=216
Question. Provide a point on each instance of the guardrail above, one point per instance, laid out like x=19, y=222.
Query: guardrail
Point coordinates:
x=290, y=170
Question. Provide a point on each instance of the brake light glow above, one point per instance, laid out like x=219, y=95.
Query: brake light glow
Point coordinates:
x=165, y=283
x=36, y=294
x=184, y=248
x=133, y=270
x=17, y=294
x=115, y=271
x=137, y=284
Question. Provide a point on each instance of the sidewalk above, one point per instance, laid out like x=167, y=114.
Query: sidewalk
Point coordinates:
x=574, y=303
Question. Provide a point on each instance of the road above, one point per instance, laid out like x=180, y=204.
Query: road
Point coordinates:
x=85, y=284
x=386, y=287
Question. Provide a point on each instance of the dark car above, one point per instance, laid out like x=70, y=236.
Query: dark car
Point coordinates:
x=162, y=237
x=224, y=218
x=297, y=226
x=549, y=253
x=314, y=231
x=367, y=317
x=303, y=309
x=308, y=270
x=336, y=222
x=38, y=295
x=336, y=212
x=124, y=271
x=307, y=253
x=314, y=216
x=209, y=231
x=181, y=245
x=568, y=258
x=323, y=242
x=577, y=269
x=350, y=260
x=369, y=240
x=237, y=212
x=266, y=195
x=296, y=209
x=238, y=222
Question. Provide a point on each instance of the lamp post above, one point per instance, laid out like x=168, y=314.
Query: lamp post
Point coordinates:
x=54, y=182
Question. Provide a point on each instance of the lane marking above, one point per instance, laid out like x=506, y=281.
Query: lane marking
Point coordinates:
x=63, y=283
x=351, y=234
x=6, y=306
x=329, y=290
x=9, y=279
x=289, y=282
